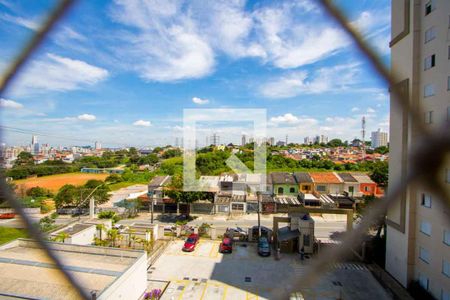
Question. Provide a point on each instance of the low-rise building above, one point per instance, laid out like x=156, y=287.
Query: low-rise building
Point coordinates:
x=326, y=182
x=104, y=273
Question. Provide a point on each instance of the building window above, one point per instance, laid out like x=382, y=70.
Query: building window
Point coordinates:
x=430, y=61
x=423, y=281
x=424, y=255
x=321, y=188
x=429, y=7
x=292, y=190
x=306, y=187
x=426, y=200
x=447, y=237
x=429, y=117
x=446, y=268
x=280, y=191
x=237, y=206
x=351, y=189
x=430, y=34
x=425, y=228
x=428, y=90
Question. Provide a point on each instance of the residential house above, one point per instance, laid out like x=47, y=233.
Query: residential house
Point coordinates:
x=351, y=185
x=366, y=185
x=156, y=192
x=327, y=182
x=305, y=182
x=284, y=183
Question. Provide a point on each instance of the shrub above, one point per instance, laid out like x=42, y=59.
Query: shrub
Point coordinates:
x=108, y=214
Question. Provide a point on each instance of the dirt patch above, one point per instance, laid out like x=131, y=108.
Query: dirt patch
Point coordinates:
x=55, y=182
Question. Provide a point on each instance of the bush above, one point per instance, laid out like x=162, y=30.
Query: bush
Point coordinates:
x=37, y=191
x=108, y=214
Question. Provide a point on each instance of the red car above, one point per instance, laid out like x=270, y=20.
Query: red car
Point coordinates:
x=226, y=246
x=190, y=243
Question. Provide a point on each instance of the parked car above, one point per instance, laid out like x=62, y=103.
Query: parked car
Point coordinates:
x=236, y=232
x=264, y=231
x=191, y=242
x=263, y=247
x=226, y=246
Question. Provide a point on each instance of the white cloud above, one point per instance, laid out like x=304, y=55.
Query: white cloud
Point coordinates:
x=26, y=23
x=142, y=123
x=355, y=109
x=370, y=110
x=57, y=73
x=329, y=79
x=6, y=103
x=86, y=117
x=200, y=101
x=286, y=118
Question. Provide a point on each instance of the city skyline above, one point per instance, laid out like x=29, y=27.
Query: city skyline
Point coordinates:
x=310, y=84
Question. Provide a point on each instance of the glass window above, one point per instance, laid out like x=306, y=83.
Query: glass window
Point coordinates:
x=430, y=6
x=430, y=34
x=280, y=191
x=446, y=268
x=424, y=255
x=429, y=117
x=321, y=188
x=447, y=237
x=423, y=281
x=430, y=61
x=426, y=200
x=292, y=190
x=425, y=227
x=306, y=240
x=428, y=90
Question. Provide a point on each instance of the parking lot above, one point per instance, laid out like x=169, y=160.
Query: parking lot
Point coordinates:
x=208, y=274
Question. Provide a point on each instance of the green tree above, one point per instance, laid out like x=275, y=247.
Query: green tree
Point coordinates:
x=335, y=143
x=68, y=195
x=379, y=173
x=62, y=236
x=24, y=159
x=382, y=150
x=98, y=189
x=38, y=191
x=114, y=178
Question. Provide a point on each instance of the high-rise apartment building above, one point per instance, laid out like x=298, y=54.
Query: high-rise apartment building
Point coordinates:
x=379, y=138
x=98, y=146
x=418, y=223
x=244, y=140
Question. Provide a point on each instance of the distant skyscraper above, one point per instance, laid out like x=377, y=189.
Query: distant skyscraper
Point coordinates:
x=321, y=139
x=271, y=141
x=98, y=146
x=244, y=140
x=308, y=140
x=379, y=138
x=35, y=148
x=33, y=139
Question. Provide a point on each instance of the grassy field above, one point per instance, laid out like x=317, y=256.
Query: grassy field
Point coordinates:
x=119, y=185
x=55, y=182
x=9, y=234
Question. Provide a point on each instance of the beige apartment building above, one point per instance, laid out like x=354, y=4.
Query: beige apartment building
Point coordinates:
x=418, y=225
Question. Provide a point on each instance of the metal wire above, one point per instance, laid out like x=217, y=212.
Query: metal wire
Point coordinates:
x=425, y=161
x=5, y=192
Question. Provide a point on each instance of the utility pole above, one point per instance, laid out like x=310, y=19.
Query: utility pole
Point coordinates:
x=363, y=131
x=151, y=198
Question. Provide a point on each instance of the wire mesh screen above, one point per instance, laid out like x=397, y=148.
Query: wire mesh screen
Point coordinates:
x=425, y=163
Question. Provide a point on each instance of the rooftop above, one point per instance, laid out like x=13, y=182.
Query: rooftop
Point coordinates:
x=347, y=177
x=28, y=272
x=283, y=178
x=302, y=177
x=325, y=177
x=362, y=178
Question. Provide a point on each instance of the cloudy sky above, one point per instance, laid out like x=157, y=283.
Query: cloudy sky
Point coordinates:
x=121, y=72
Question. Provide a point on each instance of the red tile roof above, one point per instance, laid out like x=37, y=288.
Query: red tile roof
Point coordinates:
x=325, y=177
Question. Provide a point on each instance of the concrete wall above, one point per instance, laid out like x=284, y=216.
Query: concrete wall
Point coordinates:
x=131, y=284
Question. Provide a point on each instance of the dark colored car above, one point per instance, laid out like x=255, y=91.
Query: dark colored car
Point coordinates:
x=263, y=247
x=236, y=232
x=264, y=232
x=226, y=246
x=190, y=243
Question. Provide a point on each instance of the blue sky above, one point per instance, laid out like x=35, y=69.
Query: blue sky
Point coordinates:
x=121, y=72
